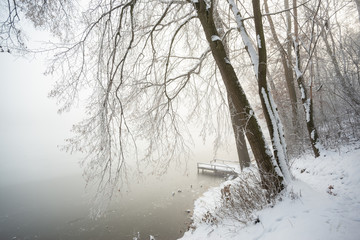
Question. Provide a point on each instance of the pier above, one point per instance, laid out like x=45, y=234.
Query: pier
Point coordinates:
x=219, y=166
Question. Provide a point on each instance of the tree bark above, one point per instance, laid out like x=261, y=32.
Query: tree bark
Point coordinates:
x=285, y=60
x=238, y=128
x=306, y=100
x=358, y=7
x=268, y=105
x=270, y=173
x=260, y=70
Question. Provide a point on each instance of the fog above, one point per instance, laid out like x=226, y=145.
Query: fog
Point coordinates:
x=42, y=194
x=30, y=127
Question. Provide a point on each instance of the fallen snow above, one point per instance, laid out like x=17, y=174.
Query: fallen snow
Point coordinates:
x=323, y=202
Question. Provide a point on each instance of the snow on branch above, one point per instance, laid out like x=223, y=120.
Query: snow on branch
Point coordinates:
x=277, y=139
x=215, y=38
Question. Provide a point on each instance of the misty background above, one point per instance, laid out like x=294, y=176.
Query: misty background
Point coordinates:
x=30, y=127
x=32, y=130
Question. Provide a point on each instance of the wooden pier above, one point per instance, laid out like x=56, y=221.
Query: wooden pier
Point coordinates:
x=218, y=166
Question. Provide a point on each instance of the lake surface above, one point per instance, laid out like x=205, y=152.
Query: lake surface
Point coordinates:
x=57, y=208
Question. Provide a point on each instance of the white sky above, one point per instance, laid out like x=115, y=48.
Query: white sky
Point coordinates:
x=30, y=128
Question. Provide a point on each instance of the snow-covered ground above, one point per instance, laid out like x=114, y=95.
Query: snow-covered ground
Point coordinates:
x=323, y=202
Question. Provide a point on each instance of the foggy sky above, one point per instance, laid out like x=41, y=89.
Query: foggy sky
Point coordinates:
x=30, y=128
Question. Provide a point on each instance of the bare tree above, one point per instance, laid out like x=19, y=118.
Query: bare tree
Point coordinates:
x=238, y=128
x=269, y=107
x=348, y=91
x=238, y=97
x=142, y=63
x=285, y=54
x=259, y=61
x=150, y=67
x=56, y=16
x=306, y=98
x=338, y=72
x=10, y=34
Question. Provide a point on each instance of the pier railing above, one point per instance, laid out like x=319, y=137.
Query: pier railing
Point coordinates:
x=216, y=160
x=215, y=166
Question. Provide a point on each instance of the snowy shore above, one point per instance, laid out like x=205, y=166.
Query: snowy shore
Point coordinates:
x=323, y=202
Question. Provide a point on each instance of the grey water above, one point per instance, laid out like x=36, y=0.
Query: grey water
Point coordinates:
x=59, y=209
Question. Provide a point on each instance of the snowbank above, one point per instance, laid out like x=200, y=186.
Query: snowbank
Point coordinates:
x=322, y=203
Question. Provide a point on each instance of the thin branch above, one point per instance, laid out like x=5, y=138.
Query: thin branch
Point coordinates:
x=275, y=13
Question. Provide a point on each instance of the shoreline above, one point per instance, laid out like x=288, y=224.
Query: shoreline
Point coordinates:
x=320, y=203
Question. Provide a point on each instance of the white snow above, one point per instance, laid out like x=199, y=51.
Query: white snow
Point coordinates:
x=258, y=41
x=245, y=37
x=277, y=140
x=282, y=135
x=296, y=68
x=220, y=167
x=227, y=61
x=307, y=109
x=215, y=38
x=303, y=96
x=322, y=203
x=297, y=72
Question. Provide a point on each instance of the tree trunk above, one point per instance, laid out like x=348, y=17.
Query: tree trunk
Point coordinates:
x=306, y=100
x=285, y=60
x=268, y=105
x=358, y=7
x=270, y=174
x=241, y=146
x=260, y=69
x=238, y=128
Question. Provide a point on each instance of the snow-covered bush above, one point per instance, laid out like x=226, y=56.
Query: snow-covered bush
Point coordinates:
x=236, y=199
x=244, y=196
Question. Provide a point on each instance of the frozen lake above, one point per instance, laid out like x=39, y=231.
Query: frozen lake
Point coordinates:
x=58, y=208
